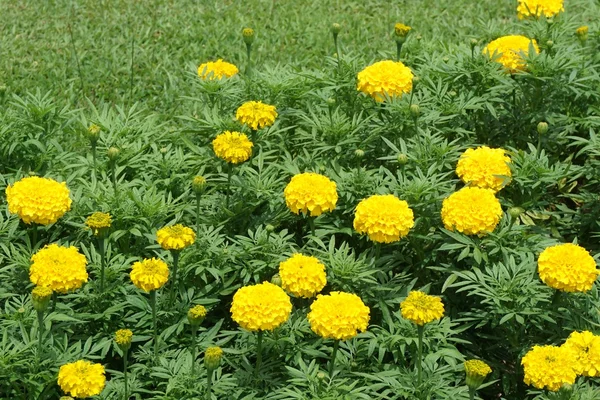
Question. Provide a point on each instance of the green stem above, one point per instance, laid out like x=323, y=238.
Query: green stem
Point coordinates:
x=131, y=71
x=114, y=176
x=248, y=53
x=398, y=50
x=77, y=60
x=209, y=373
x=419, y=354
x=336, y=345
x=54, y=299
x=377, y=253
x=102, y=262
x=471, y=394
x=194, y=331
x=175, y=254
x=337, y=47
x=34, y=235
x=258, y=351
x=153, y=307
x=228, y=185
x=40, y=318
x=197, y=214
x=94, y=160
x=311, y=223
x=125, y=361
x=539, y=145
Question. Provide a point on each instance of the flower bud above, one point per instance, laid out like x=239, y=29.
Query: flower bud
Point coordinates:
x=93, y=133
x=415, y=110
x=199, y=184
x=66, y=398
x=542, y=128
x=40, y=296
x=402, y=159
x=336, y=29
x=415, y=82
x=212, y=358
x=3, y=89
x=269, y=228
x=248, y=35
x=582, y=34
x=123, y=339
x=276, y=280
x=330, y=102
x=476, y=372
x=549, y=44
x=196, y=315
x=321, y=375
x=113, y=154
x=358, y=153
x=473, y=43
x=401, y=30
x=515, y=212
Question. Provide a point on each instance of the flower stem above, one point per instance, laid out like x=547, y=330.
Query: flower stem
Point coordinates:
x=114, y=176
x=471, y=394
x=248, y=53
x=172, y=293
x=419, y=353
x=336, y=345
x=102, y=262
x=398, y=50
x=539, y=145
x=40, y=318
x=197, y=214
x=228, y=185
x=209, y=374
x=194, y=331
x=125, y=353
x=258, y=351
x=153, y=307
x=311, y=223
x=54, y=300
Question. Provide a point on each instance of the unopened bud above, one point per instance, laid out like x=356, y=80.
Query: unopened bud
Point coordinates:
x=276, y=280
x=331, y=102
x=582, y=34
x=269, y=228
x=415, y=82
x=549, y=44
x=359, y=153
x=93, y=133
x=402, y=159
x=3, y=89
x=212, y=358
x=336, y=29
x=196, y=315
x=248, y=35
x=415, y=110
x=199, y=184
x=401, y=30
x=113, y=154
x=321, y=375
x=515, y=212
x=542, y=128
x=123, y=338
x=473, y=43
x=40, y=296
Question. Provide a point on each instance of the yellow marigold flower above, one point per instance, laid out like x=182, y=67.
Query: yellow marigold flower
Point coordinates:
x=476, y=371
x=484, y=167
x=586, y=347
x=420, y=308
x=256, y=114
x=338, y=316
x=82, y=379
x=98, y=222
x=196, y=315
x=582, y=30
x=233, y=147
x=472, y=211
x=40, y=297
x=567, y=267
x=38, y=200
x=509, y=51
x=123, y=337
x=311, y=194
x=549, y=367
x=175, y=237
x=537, y=8
x=383, y=78
x=385, y=218
x=302, y=276
x=401, y=30
x=212, y=357
x=59, y=268
x=261, y=307
x=217, y=70
x=149, y=274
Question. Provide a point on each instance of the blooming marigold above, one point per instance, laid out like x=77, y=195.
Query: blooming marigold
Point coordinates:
x=38, y=200
x=484, y=167
x=537, y=8
x=472, y=211
x=217, y=70
x=233, y=147
x=82, y=379
x=311, y=194
x=338, y=316
x=420, y=308
x=98, y=222
x=401, y=30
x=385, y=78
x=149, y=274
x=549, y=367
x=261, y=307
x=385, y=218
x=567, y=267
x=59, y=268
x=175, y=237
x=302, y=276
x=476, y=371
x=256, y=114
x=212, y=357
x=509, y=51
x=586, y=347
x=196, y=315
x=123, y=337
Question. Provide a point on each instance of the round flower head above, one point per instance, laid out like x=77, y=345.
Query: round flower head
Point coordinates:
x=212, y=357
x=567, y=267
x=549, y=367
x=385, y=78
x=472, y=211
x=40, y=297
x=261, y=307
x=256, y=114
x=196, y=315
x=385, y=218
x=302, y=276
x=537, y=8
x=485, y=168
x=149, y=274
x=59, y=268
x=338, y=316
x=401, y=30
x=98, y=222
x=586, y=348
x=420, y=308
x=38, y=200
x=123, y=338
x=81, y=379
x=198, y=184
x=311, y=194
x=509, y=51
x=476, y=371
x=233, y=147
x=217, y=70
x=175, y=237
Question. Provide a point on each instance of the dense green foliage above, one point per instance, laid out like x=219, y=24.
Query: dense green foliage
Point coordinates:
x=65, y=65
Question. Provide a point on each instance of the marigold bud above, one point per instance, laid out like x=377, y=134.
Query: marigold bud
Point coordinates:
x=336, y=29
x=113, y=154
x=3, y=89
x=515, y=212
x=415, y=110
x=212, y=358
x=331, y=102
x=549, y=44
x=358, y=153
x=93, y=133
x=269, y=228
x=542, y=128
x=582, y=34
x=40, y=296
x=402, y=159
x=401, y=30
x=199, y=184
x=196, y=315
x=473, y=43
x=321, y=375
x=123, y=338
x=248, y=35
x=276, y=280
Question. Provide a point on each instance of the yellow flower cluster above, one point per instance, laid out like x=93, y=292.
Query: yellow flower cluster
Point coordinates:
x=233, y=147
x=59, y=268
x=149, y=274
x=477, y=367
x=537, y=8
x=212, y=357
x=338, y=316
x=261, y=307
x=401, y=30
x=217, y=70
x=385, y=218
x=472, y=211
x=82, y=379
x=421, y=309
x=196, y=314
x=123, y=337
x=509, y=51
x=567, y=267
x=175, y=237
x=485, y=168
x=549, y=367
x=256, y=114
x=311, y=194
x=98, y=222
x=385, y=78
x=586, y=348
x=38, y=200
x=302, y=276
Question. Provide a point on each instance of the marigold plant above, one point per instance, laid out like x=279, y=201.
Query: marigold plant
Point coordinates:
x=385, y=78
x=549, y=367
x=510, y=51
x=38, y=200
x=256, y=114
x=261, y=307
x=568, y=267
x=82, y=379
x=62, y=269
x=484, y=167
x=149, y=274
x=384, y=218
x=421, y=308
x=302, y=276
x=338, y=316
x=472, y=211
x=233, y=147
x=217, y=70
x=311, y=194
